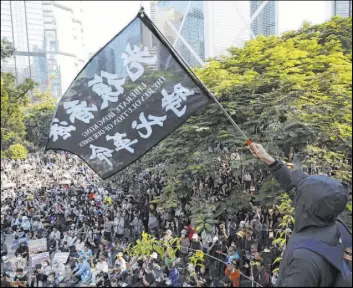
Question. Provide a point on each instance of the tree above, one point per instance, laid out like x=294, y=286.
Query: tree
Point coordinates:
x=13, y=101
x=17, y=151
x=7, y=49
x=38, y=116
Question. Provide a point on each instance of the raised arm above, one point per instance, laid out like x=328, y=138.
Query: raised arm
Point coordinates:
x=278, y=169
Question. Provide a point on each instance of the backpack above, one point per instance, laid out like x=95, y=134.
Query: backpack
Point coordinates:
x=340, y=256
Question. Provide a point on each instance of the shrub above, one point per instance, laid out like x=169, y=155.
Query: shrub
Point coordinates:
x=17, y=151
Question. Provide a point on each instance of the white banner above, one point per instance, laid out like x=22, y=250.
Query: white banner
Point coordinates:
x=39, y=258
x=39, y=245
x=61, y=257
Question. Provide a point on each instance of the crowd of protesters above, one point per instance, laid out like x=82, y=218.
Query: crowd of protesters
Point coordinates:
x=57, y=197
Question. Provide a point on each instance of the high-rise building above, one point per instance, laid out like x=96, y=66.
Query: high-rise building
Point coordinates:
x=265, y=22
x=342, y=8
x=153, y=10
x=48, y=38
x=22, y=24
x=203, y=29
x=187, y=19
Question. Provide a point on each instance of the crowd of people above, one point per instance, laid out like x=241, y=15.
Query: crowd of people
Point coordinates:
x=58, y=198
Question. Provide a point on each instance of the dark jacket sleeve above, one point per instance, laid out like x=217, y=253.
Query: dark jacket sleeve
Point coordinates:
x=306, y=269
x=282, y=175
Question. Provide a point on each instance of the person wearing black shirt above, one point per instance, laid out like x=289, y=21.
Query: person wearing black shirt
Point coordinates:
x=105, y=282
x=22, y=250
x=148, y=278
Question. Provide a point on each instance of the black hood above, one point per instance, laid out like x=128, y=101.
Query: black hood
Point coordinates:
x=318, y=200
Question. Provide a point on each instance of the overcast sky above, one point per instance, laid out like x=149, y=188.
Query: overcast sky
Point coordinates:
x=104, y=19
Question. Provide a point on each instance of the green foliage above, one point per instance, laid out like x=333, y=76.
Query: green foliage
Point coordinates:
x=169, y=198
x=17, y=151
x=38, y=116
x=7, y=49
x=203, y=215
x=14, y=98
x=149, y=244
x=287, y=210
x=13, y=101
x=349, y=207
x=4, y=154
x=196, y=260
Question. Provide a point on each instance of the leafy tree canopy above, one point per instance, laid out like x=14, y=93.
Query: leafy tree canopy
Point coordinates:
x=7, y=49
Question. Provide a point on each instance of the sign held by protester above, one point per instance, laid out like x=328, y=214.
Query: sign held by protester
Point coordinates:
x=61, y=257
x=39, y=258
x=126, y=100
x=39, y=245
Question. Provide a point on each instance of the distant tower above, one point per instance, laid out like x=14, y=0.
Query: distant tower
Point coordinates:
x=203, y=29
x=342, y=8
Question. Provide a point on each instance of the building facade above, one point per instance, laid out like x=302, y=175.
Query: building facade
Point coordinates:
x=48, y=38
x=187, y=19
x=342, y=8
x=265, y=23
x=203, y=29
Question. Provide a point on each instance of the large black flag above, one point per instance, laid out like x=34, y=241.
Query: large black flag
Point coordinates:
x=132, y=94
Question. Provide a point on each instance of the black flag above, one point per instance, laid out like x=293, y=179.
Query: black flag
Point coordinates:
x=132, y=94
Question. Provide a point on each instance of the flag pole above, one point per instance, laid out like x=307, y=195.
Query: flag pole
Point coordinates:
x=196, y=78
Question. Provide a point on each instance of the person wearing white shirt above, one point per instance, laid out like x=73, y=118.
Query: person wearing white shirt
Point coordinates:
x=120, y=264
x=99, y=197
x=46, y=268
x=68, y=239
x=25, y=225
x=40, y=225
x=101, y=267
x=56, y=235
x=60, y=272
x=79, y=244
x=119, y=226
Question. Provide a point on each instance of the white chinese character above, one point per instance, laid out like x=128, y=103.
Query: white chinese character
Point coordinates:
x=101, y=153
x=135, y=57
x=105, y=91
x=121, y=143
x=79, y=111
x=145, y=124
x=62, y=131
x=173, y=101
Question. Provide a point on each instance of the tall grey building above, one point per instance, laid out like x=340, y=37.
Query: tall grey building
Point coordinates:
x=266, y=20
x=342, y=8
x=47, y=36
x=203, y=29
x=186, y=17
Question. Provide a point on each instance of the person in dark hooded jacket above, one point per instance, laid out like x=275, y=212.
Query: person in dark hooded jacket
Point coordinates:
x=318, y=202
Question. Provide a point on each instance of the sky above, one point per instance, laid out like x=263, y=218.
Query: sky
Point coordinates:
x=104, y=19
x=292, y=14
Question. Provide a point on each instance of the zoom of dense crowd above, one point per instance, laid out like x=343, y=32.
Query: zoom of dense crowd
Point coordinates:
x=95, y=224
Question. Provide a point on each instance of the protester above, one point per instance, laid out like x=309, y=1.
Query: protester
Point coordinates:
x=319, y=200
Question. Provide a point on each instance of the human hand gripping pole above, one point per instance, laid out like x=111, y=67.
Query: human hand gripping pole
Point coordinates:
x=260, y=153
